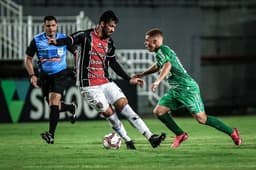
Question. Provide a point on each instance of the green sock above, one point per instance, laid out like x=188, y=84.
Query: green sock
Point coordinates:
x=170, y=123
x=214, y=122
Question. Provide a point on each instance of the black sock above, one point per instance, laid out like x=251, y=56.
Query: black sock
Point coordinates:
x=54, y=117
x=66, y=107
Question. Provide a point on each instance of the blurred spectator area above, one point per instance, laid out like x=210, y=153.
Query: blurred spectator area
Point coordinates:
x=215, y=39
x=136, y=3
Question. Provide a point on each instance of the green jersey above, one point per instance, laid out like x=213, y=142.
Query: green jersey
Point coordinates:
x=178, y=76
x=184, y=91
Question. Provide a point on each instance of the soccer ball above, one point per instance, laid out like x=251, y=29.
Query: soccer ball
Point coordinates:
x=112, y=141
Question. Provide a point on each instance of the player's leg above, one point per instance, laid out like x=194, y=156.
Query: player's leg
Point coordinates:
x=45, y=86
x=120, y=102
x=136, y=121
x=61, y=85
x=163, y=111
x=163, y=114
x=118, y=99
x=54, y=103
x=67, y=107
x=195, y=105
x=70, y=109
x=212, y=121
x=97, y=100
x=122, y=106
x=117, y=125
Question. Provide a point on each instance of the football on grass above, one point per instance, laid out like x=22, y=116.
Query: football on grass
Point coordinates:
x=112, y=141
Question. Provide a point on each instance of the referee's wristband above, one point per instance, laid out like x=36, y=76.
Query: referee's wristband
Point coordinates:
x=31, y=75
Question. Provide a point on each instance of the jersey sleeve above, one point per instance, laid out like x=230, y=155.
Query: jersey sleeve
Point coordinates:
x=111, y=48
x=72, y=48
x=163, y=55
x=113, y=62
x=31, y=49
x=118, y=69
x=79, y=36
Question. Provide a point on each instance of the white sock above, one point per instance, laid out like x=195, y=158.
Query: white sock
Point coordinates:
x=136, y=121
x=118, y=127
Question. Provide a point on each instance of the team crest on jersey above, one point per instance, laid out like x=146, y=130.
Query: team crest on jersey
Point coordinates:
x=60, y=51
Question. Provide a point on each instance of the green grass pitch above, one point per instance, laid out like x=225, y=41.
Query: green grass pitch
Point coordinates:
x=79, y=146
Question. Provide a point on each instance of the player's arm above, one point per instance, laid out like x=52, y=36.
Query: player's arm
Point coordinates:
x=152, y=69
x=78, y=37
x=120, y=71
x=31, y=49
x=72, y=39
x=62, y=41
x=116, y=67
x=74, y=50
x=75, y=54
x=164, y=72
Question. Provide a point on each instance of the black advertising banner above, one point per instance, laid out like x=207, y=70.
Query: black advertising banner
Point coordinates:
x=19, y=102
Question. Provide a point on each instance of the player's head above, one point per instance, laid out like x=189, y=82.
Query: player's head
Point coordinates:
x=108, y=22
x=50, y=26
x=153, y=39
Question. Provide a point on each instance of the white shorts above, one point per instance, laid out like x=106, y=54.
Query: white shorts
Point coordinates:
x=101, y=96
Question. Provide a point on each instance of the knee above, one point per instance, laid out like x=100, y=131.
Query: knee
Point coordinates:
x=54, y=99
x=108, y=112
x=201, y=119
x=157, y=112
x=120, y=104
x=161, y=110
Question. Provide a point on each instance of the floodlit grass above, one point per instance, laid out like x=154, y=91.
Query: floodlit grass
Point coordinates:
x=79, y=146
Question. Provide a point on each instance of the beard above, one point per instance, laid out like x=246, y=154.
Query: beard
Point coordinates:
x=105, y=34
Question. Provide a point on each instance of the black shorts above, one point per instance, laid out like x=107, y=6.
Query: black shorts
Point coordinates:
x=56, y=83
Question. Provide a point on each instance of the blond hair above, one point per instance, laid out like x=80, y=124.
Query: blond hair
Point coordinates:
x=154, y=32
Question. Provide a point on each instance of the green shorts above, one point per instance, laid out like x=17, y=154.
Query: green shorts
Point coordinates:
x=183, y=97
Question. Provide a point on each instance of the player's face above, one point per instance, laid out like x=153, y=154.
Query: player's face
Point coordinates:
x=108, y=28
x=150, y=43
x=50, y=28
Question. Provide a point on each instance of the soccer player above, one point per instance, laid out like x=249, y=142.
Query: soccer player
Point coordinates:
x=98, y=53
x=184, y=91
x=52, y=72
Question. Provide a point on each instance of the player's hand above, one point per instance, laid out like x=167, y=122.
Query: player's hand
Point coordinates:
x=137, y=81
x=154, y=86
x=52, y=41
x=33, y=81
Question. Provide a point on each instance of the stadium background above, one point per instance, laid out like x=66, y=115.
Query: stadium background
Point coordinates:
x=214, y=39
